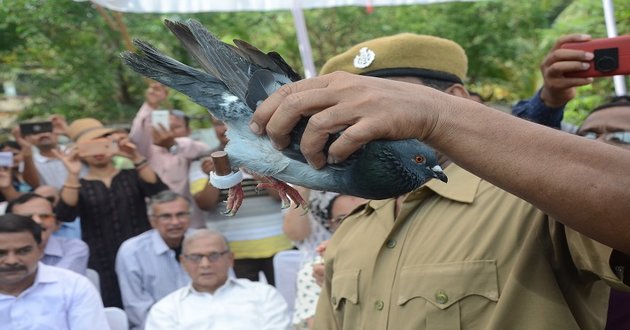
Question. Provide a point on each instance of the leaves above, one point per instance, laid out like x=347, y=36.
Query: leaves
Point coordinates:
x=65, y=55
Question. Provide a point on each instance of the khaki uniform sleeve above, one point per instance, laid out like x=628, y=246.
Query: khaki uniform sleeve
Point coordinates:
x=590, y=255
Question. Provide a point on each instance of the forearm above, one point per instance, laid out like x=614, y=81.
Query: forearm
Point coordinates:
x=146, y=173
x=70, y=190
x=30, y=174
x=140, y=133
x=584, y=184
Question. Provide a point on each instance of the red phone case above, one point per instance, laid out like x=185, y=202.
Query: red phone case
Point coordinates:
x=612, y=56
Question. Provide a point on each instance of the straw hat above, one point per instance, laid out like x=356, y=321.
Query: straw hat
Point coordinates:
x=85, y=129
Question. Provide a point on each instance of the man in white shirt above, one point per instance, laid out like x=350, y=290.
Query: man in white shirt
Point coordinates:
x=147, y=265
x=37, y=296
x=214, y=300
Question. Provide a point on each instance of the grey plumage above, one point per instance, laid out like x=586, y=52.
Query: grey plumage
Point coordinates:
x=237, y=78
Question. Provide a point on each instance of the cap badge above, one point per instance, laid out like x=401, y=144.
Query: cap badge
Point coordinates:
x=364, y=58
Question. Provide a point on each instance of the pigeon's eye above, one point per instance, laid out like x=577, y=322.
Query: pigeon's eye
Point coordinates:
x=419, y=159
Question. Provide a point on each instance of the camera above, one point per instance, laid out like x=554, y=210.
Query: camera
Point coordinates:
x=612, y=56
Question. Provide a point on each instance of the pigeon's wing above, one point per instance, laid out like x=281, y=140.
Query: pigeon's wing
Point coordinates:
x=286, y=68
x=271, y=61
x=293, y=149
x=201, y=87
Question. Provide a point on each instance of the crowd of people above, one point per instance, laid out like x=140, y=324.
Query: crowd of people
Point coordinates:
x=530, y=232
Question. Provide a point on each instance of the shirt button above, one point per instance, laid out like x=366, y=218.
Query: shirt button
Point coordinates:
x=379, y=304
x=391, y=243
x=441, y=297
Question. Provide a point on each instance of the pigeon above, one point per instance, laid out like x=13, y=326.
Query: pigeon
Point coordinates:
x=234, y=80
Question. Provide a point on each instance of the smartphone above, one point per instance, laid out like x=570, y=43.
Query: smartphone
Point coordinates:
x=97, y=147
x=35, y=128
x=6, y=159
x=612, y=56
x=160, y=117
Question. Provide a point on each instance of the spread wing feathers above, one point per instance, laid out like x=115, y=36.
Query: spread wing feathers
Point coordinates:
x=201, y=87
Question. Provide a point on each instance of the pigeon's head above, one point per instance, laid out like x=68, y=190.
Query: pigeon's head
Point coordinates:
x=388, y=169
x=415, y=159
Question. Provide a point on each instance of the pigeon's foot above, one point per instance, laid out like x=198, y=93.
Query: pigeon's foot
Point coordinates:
x=234, y=201
x=286, y=192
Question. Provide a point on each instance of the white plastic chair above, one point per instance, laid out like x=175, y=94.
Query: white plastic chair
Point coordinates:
x=116, y=318
x=286, y=265
x=93, y=276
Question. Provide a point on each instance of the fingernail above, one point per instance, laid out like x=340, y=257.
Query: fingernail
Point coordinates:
x=585, y=36
x=255, y=128
x=331, y=160
x=585, y=66
x=589, y=56
x=275, y=146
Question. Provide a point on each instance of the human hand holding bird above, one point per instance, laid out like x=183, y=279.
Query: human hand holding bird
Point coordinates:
x=236, y=80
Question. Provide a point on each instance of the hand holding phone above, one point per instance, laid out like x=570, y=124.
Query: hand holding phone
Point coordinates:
x=612, y=56
x=160, y=117
x=35, y=128
x=103, y=146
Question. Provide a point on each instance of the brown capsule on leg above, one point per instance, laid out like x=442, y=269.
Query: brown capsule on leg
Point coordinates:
x=221, y=163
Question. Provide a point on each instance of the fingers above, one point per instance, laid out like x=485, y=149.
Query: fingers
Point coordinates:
x=269, y=107
x=576, y=58
x=571, y=38
x=330, y=121
x=207, y=165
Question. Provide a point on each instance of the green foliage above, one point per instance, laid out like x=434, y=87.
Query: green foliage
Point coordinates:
x=66, y=56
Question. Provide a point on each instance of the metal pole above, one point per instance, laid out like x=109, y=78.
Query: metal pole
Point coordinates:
x=611, y=29
x=303, y=41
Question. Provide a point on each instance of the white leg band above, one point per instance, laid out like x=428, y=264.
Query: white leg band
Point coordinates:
x=226, y=181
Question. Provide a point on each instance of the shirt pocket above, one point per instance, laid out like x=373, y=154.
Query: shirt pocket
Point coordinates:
x=344, y=294
x=449, y=294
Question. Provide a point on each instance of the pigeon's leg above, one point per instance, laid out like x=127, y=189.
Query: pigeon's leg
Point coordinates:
x=235, y=199
x=286, y=192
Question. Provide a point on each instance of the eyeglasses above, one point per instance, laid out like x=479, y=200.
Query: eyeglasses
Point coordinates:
x=165, y=217
x=212, y=257
x=613, y=137
x=43, y=216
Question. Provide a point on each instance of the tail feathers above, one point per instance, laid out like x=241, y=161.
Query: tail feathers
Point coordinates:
x=201, y=87
x=185, y=36
x=231, y=68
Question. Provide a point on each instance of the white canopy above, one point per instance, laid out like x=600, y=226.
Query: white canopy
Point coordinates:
x=197, y=6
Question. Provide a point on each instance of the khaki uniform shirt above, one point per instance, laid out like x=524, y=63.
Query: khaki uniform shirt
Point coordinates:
x=462, y=255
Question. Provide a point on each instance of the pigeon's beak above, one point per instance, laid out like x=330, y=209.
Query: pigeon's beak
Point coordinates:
x=438, y=173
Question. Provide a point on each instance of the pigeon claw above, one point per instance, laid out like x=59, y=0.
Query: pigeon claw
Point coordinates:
x=234, y=201
x=287, y=193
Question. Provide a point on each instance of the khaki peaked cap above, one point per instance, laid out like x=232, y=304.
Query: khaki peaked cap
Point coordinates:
x=404, y=54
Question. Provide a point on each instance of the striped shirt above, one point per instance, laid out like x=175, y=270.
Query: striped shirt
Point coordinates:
x=256, y=229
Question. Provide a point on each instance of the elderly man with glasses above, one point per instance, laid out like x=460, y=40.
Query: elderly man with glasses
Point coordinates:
x=68, y=253
x=214, y=300
x=147, y=265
